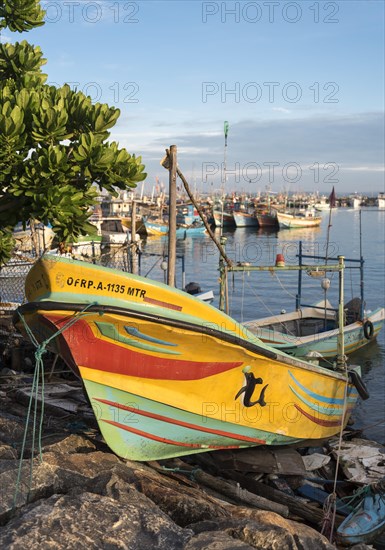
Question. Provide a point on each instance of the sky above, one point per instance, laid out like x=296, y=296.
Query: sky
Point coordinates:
x=301, y=85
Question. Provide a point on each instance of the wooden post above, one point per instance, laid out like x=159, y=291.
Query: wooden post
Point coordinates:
x=341, y=361
x=172, y=217
x=134, y=252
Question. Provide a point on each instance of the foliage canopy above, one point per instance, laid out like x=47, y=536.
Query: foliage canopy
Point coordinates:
x=54, y=148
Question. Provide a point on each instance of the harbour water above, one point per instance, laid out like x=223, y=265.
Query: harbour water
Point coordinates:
x=261, y=294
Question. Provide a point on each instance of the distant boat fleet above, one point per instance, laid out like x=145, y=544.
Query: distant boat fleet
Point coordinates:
x=112, y=218
x=268, y=211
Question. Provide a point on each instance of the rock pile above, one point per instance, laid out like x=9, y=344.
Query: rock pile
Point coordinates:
x=78, y=494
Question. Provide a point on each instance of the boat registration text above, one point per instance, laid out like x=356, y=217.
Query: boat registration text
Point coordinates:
x=109, y=287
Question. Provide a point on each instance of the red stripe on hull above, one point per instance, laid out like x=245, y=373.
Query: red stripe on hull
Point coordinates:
x=168, y=441
x=180, y=423
x=162, y=304
x=326, y=423
x=92, y=352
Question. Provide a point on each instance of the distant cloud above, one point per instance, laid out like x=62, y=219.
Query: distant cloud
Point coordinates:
x=308, y=153
x=281, y=110
x=365, y=168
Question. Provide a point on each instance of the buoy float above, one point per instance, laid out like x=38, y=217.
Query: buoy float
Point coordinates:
x=279, y=261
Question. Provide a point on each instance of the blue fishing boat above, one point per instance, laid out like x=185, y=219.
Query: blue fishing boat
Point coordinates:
x=188, y=223
x=159, y=229
x=367, y=521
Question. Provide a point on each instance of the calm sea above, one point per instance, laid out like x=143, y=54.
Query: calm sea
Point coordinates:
x=261, y=294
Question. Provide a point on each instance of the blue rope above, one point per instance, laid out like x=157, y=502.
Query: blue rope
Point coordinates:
x=41, y=349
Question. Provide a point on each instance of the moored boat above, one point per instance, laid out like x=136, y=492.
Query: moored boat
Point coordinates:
x=223, y=219
x=267, y=218
x=159, y=228
x=367, y=521
x=168, y=374
x=315, y=329
x=287, y=220
x=34, y=236
x=245, y=219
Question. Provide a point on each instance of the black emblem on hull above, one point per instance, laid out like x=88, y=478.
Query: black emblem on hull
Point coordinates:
x=248, y=390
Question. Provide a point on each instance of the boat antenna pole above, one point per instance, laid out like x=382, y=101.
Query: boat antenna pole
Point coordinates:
x=332, y=203
x=362, y=306
x=224, y=178
x=172, y=216
x=341, y=360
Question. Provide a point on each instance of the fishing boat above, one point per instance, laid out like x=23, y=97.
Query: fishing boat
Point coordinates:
x=187, y=214
x=314, y=328
x=367, y=521
x=195, y=290
x=266, y=214
x=322, y=205
x=112, y=231
x=188, y=223
x=109, y=232
x=139, y=223
x=159, y=228
x=223, y=218
x=267, y=218
x=33, y=236
x=308, y=218
x=167, y=374
x=356, y=201
x=245, y=219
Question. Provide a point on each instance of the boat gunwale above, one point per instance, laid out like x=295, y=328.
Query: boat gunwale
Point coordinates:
x=277, y=355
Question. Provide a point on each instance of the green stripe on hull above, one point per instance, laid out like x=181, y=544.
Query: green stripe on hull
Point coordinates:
x=109, y=331
x=149, y=430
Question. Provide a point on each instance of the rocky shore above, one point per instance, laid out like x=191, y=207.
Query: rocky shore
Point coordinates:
x=78, y=494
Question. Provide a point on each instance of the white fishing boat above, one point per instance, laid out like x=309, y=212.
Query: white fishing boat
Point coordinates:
x=314, y=328
x=33, y=237
x=307, y=218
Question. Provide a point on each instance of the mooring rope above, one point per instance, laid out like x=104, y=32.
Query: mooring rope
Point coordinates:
x=330, y=504
x=41, y=349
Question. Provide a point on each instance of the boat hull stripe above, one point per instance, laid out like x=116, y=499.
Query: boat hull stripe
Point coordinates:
x=132, y=362
x=110, y=331
x=180, y=423
x=316, y=406
x=157, y=319
x=154, y=437
x=319, y=421
x=132, y=331
x=322, y=398
x=155, y=302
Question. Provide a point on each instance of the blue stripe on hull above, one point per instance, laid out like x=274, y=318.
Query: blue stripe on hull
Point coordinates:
x=329, y=400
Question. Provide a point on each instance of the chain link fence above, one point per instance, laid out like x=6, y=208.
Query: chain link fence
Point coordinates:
x=117, y=256
x=12, y=280
x=14, y=273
